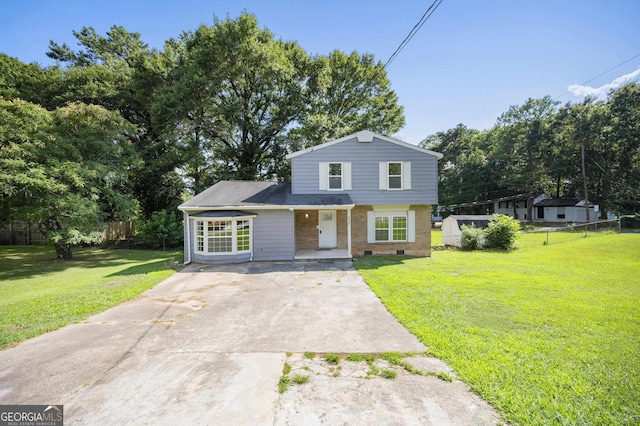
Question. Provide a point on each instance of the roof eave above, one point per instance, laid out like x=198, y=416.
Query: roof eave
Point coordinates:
x=190, y=209
x=365, y=135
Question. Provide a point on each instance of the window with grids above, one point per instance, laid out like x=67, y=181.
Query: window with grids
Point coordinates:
x=391, y=228
x=223, y=236
x=243, y=234
x=335, y=175
x=220, y=236
x=200, y=236
x=395, y=175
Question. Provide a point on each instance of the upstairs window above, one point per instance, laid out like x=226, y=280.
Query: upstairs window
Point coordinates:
x=395, y=175
x=335, y=176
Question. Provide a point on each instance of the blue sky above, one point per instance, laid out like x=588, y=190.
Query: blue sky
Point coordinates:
x=469, y=62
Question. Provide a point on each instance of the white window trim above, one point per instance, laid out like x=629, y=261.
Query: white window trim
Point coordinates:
x=323, y=176
x=410, y=217
x=329, y=176
x=234, y=235
x=383, y=175
x=389, y=176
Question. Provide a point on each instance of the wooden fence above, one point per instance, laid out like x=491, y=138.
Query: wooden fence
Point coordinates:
x=27, y=234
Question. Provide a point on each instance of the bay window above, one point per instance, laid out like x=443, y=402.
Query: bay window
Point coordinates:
x=223, y=236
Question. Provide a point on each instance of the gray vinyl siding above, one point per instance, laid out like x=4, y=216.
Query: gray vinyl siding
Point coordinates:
x=220, y=259
x=273, y=239
x=364, y=159
x=273, y=235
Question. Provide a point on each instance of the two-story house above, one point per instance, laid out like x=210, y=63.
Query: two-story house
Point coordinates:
x=363, y=194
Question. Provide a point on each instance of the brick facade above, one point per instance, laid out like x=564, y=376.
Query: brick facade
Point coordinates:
x=421, y=247
x=306, y=222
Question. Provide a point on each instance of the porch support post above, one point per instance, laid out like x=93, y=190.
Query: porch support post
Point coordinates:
x=349, y=232
x=187, y=239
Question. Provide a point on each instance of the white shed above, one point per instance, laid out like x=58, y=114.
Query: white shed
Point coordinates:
x=451, y=227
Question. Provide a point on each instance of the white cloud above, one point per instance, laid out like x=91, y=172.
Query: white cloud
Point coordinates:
x=602, y=91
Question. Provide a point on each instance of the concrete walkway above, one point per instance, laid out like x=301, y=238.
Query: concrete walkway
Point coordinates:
x=208, y=346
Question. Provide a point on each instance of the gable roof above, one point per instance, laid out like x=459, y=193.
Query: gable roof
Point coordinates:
x=557, y=202
x=479, y=220
x=364, y=136
x=245, y=194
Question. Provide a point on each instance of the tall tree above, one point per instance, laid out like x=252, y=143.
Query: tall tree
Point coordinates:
x=234, y=95
x=521, y=141
x=349, y=93
x=464, y=172
x=240, y=100
x=66, y=170
x=119, y=72
x=25, y=129
x=622, y=150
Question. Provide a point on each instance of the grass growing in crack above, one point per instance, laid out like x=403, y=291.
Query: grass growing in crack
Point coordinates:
x=355, y=357
x=373, y=370
x=445, y=376
x=310, y=355
x=411, y=369
x=286, y=369
x=332, y=358
x=393, y=358
x=388, y=374
x=300, y=379
x=283, y=384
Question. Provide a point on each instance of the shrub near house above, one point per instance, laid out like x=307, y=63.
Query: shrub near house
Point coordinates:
x=501, y=233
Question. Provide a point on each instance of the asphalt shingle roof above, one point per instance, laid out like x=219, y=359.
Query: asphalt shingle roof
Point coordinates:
x=255, y=194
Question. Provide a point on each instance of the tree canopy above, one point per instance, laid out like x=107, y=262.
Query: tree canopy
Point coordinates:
x=536, y=147
x=116, y=129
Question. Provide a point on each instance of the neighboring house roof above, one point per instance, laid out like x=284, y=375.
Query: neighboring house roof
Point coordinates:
x=460, y=217
x=479, y=220
x=245, y=194
x=557, y=202
x=364, y=136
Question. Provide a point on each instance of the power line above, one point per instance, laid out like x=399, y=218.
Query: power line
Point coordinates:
x=413, y=31
x=601, y=74
x=406, y=40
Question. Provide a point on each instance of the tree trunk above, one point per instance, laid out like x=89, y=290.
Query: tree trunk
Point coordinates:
x=63, y=251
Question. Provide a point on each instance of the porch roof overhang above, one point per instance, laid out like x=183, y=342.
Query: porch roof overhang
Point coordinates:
x=241, y=195
x=195, y=210
x=223, y=213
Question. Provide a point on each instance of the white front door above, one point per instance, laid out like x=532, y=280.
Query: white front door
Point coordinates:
x=326, y=228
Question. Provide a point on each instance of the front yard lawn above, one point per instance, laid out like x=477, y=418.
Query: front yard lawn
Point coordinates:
x=548, y=334
x=39, y=293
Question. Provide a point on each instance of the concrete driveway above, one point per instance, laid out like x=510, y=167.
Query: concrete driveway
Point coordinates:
x=208, y=346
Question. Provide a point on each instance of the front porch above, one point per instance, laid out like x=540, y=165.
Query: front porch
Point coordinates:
x=322, y=254
x=322, y=233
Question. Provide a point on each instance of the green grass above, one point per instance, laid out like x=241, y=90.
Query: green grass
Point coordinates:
x=39, y=293
x=548, y=334
x=332, y=358
x=300, y=379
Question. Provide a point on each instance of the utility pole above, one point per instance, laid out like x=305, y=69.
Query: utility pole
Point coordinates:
x=586, y=196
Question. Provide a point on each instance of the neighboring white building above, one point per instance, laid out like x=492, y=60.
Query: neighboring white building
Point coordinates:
x=506, y=207
x=564, y=210
x=452, y=227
